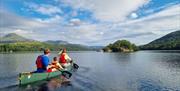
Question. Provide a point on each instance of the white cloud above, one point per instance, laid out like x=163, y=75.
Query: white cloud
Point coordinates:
x=44, y=9
x=30, y=28
x=134, y=15
x=156, y=25
x=105, y=10
x=13, y=21
x=19, y=31
x=139, y=31
x=55, y=19
x=75, y=22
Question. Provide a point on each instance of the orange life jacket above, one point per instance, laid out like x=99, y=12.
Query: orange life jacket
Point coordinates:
x=62, y=58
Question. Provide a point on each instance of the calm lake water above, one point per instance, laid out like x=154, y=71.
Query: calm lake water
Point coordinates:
x=139, y=71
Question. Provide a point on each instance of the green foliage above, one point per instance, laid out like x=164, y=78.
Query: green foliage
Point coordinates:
x=37, y=46
x=13, y=42
x=168, y=42
x=21, y=46
x=121, y=46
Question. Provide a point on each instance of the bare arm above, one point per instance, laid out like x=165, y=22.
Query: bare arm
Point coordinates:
x=67, y=58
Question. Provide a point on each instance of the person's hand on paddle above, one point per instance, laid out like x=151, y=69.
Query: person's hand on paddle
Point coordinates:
x=71, y=61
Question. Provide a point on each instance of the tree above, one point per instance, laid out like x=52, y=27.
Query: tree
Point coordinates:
x=121, y=46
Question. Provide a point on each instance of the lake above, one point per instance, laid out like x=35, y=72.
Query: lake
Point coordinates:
x=138, y=71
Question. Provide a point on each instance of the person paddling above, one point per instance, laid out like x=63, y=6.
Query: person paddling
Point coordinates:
x=64, y=59
x=42, y=61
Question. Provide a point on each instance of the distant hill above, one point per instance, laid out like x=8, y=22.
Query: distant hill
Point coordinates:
x=56, y=42
x=13, y=42
x=97, y=48
x=69, y=45
x=12, y=38
x=170, y=41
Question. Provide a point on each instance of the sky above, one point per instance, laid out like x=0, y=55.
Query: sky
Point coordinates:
x=90, y=22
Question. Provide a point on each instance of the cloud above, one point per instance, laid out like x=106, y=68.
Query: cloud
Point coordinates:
x=134, y=15
x=45, y=9
x=139, y=31
x=74, y=30
x=153, y=26
x=12, y=20
x=105, y=10
x=75, y=22
x=19, y=31
x=30, y=28
x=56, y=19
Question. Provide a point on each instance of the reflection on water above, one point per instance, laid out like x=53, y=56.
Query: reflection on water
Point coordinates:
x=145, y=85
x=149, y=85
x=52, y=85
x=139, y=71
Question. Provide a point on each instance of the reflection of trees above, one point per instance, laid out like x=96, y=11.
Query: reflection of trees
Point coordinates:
x=52, y=84
x=173, y=62
x=170, y=59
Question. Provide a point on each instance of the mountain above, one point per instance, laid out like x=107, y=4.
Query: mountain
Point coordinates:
x=69, y=45
x=97, y=48
x=170, y=41
x=12, y=38
x=13, y=42
x=56, y=42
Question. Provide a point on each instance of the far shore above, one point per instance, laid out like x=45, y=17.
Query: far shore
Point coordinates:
x=83, y=51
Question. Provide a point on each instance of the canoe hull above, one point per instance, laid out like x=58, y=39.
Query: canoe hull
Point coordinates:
x=25, y=78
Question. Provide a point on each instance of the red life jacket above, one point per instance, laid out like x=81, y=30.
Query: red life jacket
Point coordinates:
x=39, y=62
x=62, y=59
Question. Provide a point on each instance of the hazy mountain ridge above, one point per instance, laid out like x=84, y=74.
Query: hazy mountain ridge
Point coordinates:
x=56, y=42
x=12, y=38
x=170, y=41
x=14, y=42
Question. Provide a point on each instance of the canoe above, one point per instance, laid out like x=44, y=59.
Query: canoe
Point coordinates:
x=29, y=77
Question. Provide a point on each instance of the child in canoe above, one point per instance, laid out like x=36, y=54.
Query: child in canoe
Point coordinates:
x=54, y=66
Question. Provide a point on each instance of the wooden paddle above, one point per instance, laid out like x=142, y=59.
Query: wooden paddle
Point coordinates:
x=66, y=74
x=75, y=66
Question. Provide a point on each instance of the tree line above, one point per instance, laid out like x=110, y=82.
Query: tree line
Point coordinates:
x=37, y=46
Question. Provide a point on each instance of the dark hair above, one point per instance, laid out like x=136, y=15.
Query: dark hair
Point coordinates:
x=64, y=50
x=55, y=58
x=46, y=51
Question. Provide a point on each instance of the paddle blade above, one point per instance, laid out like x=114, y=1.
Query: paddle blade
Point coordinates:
x=66, y=74
x=75, y=66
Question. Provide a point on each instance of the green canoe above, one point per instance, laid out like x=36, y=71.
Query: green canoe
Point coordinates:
x=28, y=77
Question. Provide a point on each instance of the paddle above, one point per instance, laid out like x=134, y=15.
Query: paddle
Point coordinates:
x=66, y=74
x=75, y=66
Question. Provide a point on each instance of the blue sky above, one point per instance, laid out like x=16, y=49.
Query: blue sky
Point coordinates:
x=90, y=22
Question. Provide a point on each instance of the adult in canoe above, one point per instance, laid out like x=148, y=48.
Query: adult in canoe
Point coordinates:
x=42, y=62
x=64, y=59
